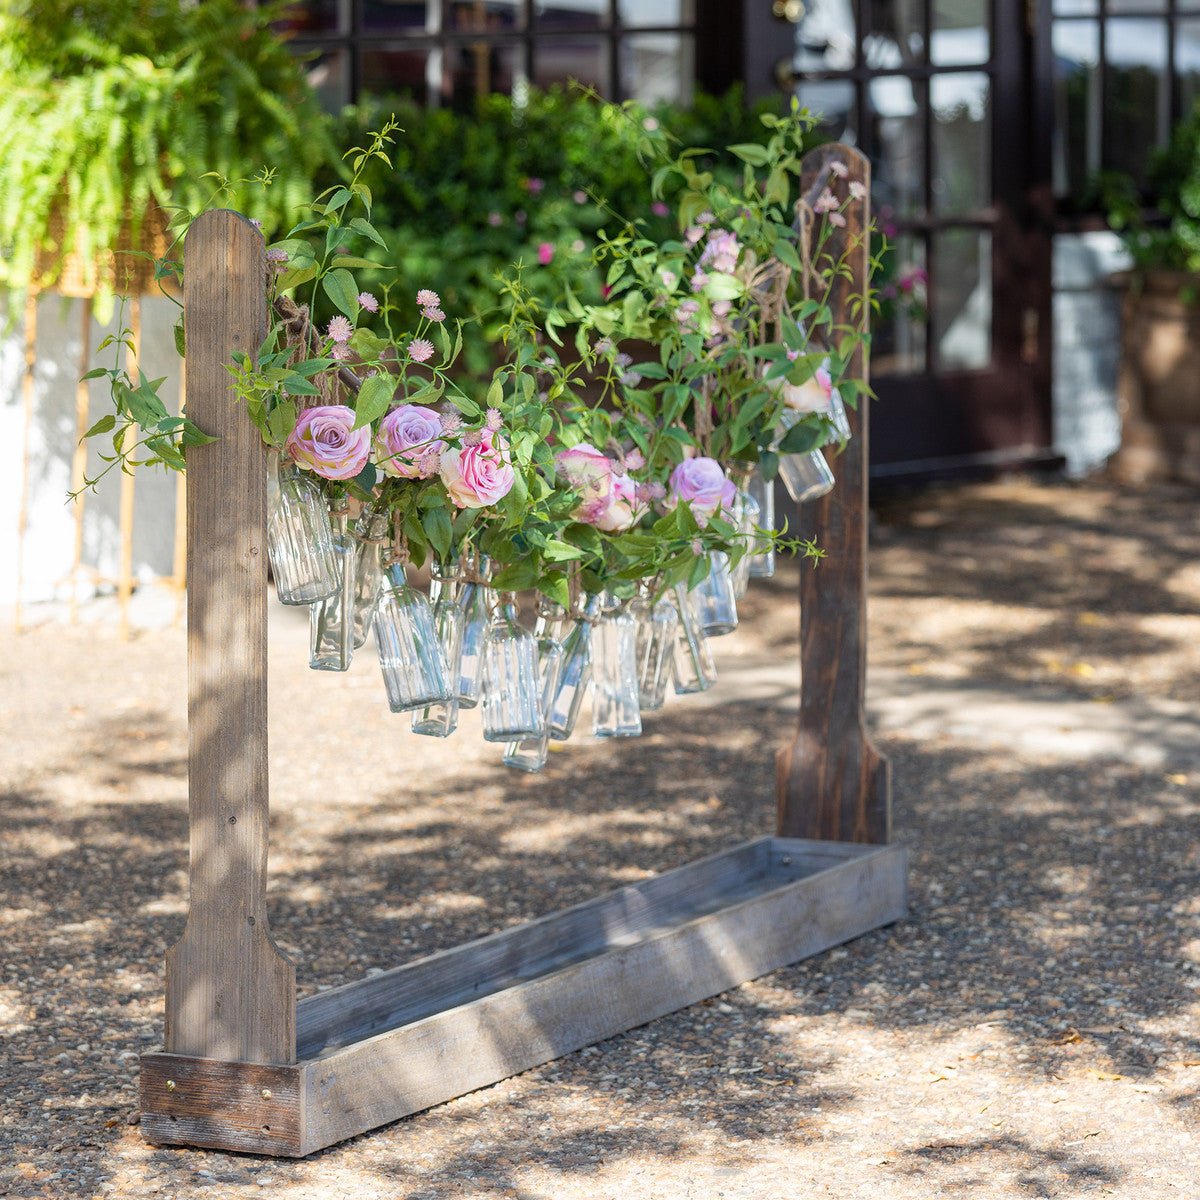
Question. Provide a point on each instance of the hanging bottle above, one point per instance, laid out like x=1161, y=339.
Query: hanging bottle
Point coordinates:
x=615, y=708
x=440, y=719
x=576, y=674
x=512, y=694
x=474, y=599
x=415, y=673
x=656, y=625
x=762, y=566
x=331, y=621
x=713, y=597
x=692, y=660
x=746, y=516
x=529, y=754
x=304, y=562
x=806, y=476
x=370, y=533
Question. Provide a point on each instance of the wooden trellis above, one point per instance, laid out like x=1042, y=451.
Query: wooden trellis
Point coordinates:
x=247, y=1068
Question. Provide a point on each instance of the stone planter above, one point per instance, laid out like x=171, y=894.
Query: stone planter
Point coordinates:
x=1158, y=385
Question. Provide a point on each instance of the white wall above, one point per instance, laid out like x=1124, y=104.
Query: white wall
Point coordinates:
x=50, y=537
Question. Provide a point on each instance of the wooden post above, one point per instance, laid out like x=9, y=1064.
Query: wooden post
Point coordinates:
x=79, y=462
x=179, y=556
x=230, y=992
x=129, y=480
x=28, y=391
x=831, y=782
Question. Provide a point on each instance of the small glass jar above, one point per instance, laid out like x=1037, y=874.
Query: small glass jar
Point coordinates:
x=440, y=719
x=656, y=626
x=806, y=476
x=370, y=532
x=713, y=597
x=415, y=673
x=576, y=675
x=747, y=518
x=692, y=659
x=300, y=546
x=331, y=621
x=475, y=600
x=529, y=754
x=762, y=566
x=512, y=694
x=615, y=708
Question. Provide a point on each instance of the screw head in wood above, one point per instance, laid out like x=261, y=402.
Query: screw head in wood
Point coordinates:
x=266, y=1093
x=170, y=1085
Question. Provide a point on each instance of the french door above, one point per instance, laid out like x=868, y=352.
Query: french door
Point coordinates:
x=940, y=95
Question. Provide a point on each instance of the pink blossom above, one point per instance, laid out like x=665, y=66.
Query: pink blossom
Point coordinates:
x=635, y=460
x=648, y=492
x=476, y=476
x=494, y=420
x=545, y=253
x=722, y=308
x=619, y=515
x=693, y=235
x=699, y=279
x=406, y=437
x=858, y=189
x=339, y=352
x=589, y=472
x=340, y=329
x=367, y=301
x=669, y=279
x=473, y=437
x=792, y=355
x=324, y=440
x=659, y=209
x=814, y=395
x=420, y=350
x=838, y=220
x=826, y=202
x=256, y=223
x=649, y=124
x=433, y=314
x=495, y=219
x=428, y=299
x=702, y=484
x=697, y=547
x=839, y=168
x=277, y=258
x=580, y=197
x=577, y=246
x=721, y=251
x=534, y=185
x=705, y=218
x=451, y=420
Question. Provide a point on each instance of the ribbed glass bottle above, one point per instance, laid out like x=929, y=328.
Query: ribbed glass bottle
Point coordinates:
x=411, y=659
x=616, y=711
x=331, y=621
x=692, y=660
x=762, y=566
x=440, y=719
x=512, y=693
x=300, y=546
x=529, y=754
x=656, y=626
x=576, y=673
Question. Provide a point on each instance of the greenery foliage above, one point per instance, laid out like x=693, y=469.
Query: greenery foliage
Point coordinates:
x=104, y=116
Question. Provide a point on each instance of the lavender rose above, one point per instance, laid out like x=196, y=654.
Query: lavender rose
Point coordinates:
x=478, y=475
x=702, y=484
x=325, y=441
x=409, y=444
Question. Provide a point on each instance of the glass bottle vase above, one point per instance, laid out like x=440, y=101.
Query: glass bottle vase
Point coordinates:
x=512, y=694
x=656, y=626
x=746, y=517
x=440, y=719
x=331, y=621
x=370, y=532
x=415, y=673
x=713, y=597
x=300, y=546
x=474, y=599
x=616, y=711
x=691, y=660
x=529, y=754
x=762, y=566
x=576, y=674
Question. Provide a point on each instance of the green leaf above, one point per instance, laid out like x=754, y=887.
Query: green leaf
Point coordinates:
x=350, y=260
x=297, y=385
x=368, y=230
x=750, y=152
x=802, y=438
x=106, y=422
x=516, y=577
x=94, y=373
x=495, y=393
x=559, y=551
x=440, y=530
x=373, y=399
x=366, y=478
x=281, y=421
x=785, y=251
x=180, y=340
x=340, y=287
x=339, y=199
x=554, y=584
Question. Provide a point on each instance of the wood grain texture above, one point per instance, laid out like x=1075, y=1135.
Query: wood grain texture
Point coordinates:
x=831, y=782
x=781, y=920
x=230, y=992
x=225, y=1106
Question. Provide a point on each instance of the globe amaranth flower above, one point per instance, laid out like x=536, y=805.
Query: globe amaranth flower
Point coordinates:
x=367, y=301
x=407, y=436
x=428, y=299
x=340, y=329
x=493, y=419
x=721, y=251
x=433, y=314
x=420, y=350
x=480, y=475
x=339, y=352
x=325, y=441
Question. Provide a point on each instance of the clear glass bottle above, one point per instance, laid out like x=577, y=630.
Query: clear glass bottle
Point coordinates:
x=331, y=621
x=762, y=566
x=440, y=719
x=616, y=711
x=475, y=600
x=692, y=659
x=839, y=418
x=300, y=546
x=576, y=675
x=656, y=625
x=746, y=518
x=806, y=476
x=415, y=673
x=529, y=754
x=370, y=532
x=512, y=693
x=713, y=597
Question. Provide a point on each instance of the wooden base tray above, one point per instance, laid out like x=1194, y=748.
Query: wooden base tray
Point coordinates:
x=385, y=1047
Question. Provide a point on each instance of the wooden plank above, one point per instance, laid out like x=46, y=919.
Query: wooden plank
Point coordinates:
x=489, y=964
x=230, y=992
x=393, y=1074
x=831, y=781
x=223, y=1105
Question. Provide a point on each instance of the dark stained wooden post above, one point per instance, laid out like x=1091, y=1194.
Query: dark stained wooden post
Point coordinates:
x=831, y=782
x=231, y=994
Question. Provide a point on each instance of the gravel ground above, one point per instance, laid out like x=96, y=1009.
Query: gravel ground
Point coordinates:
x=1033, y=1029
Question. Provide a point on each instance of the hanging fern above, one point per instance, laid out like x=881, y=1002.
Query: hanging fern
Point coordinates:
x=111, y=109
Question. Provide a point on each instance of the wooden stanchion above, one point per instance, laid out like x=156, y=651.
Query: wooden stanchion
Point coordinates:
x=129, y=481
x=79, y=462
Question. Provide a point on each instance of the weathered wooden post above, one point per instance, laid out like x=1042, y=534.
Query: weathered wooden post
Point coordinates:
x=831, y=782
x=230, y=992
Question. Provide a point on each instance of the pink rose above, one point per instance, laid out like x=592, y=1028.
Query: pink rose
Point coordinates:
x=619, y=514
x=814, y=395
x=405, y=438
x=701, y=483
x=479, y=475
x=545, y=253
x=588, y=472
x=325, y=441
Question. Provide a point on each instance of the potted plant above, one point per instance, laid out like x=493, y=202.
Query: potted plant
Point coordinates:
x=110, y=122
x=1159, y=381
